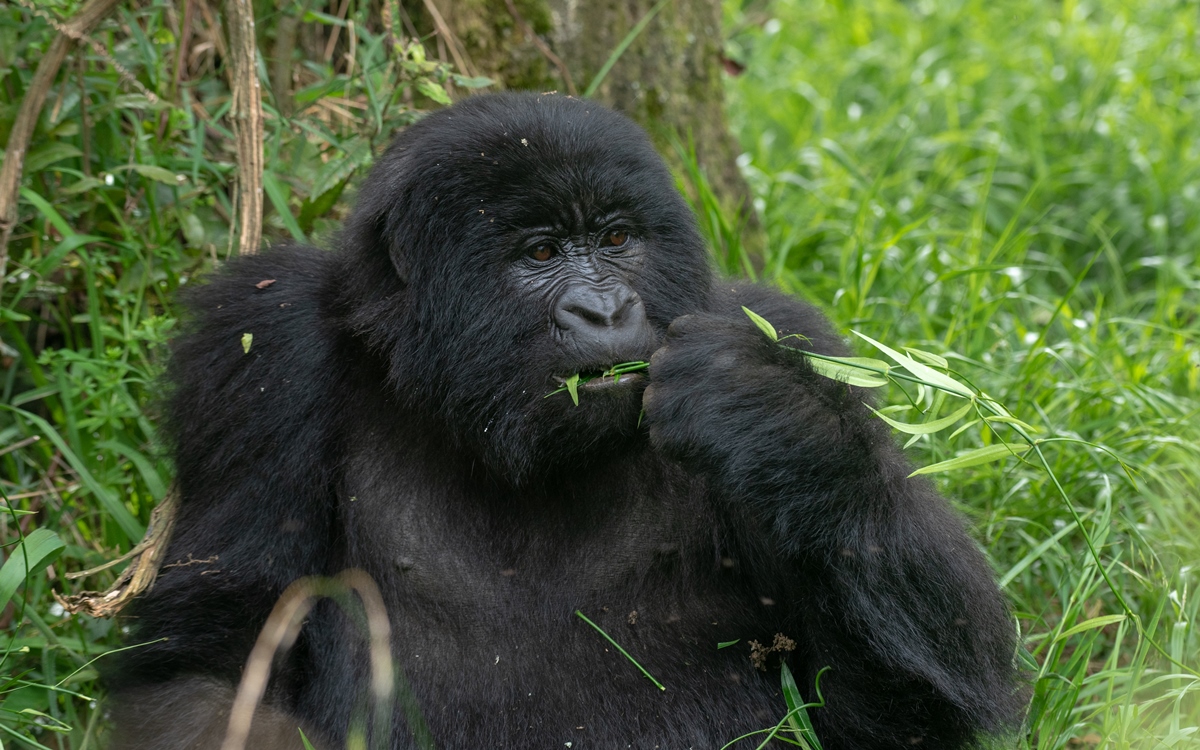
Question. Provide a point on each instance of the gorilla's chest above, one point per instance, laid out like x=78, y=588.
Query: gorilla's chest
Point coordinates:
x=485, y=588
x=439, y=539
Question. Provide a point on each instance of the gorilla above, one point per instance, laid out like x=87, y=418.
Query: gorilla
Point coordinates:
x=390, y=415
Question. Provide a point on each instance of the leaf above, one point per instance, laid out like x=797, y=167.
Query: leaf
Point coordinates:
x=311, y=16
x=925, y=428
x=53, y=216
x=433, y=90
x=924, y=372
x=797, y=713
x=82, y=185
x=44, y=156
x=929, y=358
x=156, y=173
x=763, y=324
x=1095, y=622
x=247, y=340
x=974, y=458
x=276, y=193
x=851, y=370
x=727, y=644
x=572, y=386
x=37, y=550
x=193, y=230
x=337, y=170
x=478, y=82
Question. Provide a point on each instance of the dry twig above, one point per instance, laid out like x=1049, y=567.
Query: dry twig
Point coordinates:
x=139, y=577
x=280, y=631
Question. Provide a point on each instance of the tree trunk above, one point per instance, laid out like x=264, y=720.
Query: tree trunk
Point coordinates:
x=669, y=78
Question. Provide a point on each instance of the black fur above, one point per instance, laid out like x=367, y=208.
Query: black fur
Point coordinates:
x=390, y=416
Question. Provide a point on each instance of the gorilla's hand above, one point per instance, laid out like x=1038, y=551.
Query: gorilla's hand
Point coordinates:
x=722, y=394
x=752, y=416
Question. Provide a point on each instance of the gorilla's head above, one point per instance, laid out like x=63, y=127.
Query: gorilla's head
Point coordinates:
x=506, y=243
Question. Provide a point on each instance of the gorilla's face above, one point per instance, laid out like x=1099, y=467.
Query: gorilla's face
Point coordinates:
x=536, y=237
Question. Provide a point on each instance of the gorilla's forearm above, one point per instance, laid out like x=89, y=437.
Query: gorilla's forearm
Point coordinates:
x=873, y=564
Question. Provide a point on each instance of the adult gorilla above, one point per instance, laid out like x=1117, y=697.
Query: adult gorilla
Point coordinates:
x=391, y=415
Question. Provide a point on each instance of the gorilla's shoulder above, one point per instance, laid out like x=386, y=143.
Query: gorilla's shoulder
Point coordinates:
x=256, y=352
x=255, y=310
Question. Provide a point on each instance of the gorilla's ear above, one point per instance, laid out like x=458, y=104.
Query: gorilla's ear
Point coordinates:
x=375, y=228
x=371, y=240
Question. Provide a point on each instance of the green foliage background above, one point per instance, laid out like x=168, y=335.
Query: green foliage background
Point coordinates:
x=1013, y=185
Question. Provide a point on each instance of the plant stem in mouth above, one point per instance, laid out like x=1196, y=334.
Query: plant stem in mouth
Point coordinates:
x=571, y=384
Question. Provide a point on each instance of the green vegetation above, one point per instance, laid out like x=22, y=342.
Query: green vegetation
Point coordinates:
x=1016, y=187
x=1012, y=186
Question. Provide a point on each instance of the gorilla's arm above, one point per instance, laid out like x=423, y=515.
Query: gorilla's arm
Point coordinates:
x=254, y=436
x=871, y=569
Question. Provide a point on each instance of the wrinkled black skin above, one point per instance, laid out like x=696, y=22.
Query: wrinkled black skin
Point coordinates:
x=391, y=416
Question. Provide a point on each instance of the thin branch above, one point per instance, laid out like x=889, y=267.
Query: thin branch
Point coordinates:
x=461, y=63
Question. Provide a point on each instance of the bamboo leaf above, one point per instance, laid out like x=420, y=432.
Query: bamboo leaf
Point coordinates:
x=572, y=386
x=1095, y=622
x=763, y=324
x=797, y=713
x=276, y=192
x=925, y=428
x=154, y=172
x=974, y=458
x=861, y=371
x=924, y=372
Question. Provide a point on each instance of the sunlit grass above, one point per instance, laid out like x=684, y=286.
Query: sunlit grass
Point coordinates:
x=1016, y=186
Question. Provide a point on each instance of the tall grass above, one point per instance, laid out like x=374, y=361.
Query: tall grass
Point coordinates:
x=1016, y=186
x=1013, y=185
x=127, y=195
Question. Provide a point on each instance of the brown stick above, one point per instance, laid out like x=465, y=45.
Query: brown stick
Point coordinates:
x=280, y=631
x=456, y=50
x=246, y=114
x=88, y=17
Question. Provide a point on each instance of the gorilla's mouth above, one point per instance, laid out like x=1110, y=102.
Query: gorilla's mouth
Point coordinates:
x=601, y=377
x=603, y=380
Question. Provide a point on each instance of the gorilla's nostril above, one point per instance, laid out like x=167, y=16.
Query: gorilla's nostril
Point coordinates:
x=583, y=307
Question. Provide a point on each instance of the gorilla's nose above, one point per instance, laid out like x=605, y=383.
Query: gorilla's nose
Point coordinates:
x=613, y=316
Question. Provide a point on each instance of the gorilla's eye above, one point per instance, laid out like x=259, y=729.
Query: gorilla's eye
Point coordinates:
x=541, y=252
x=617, y=238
